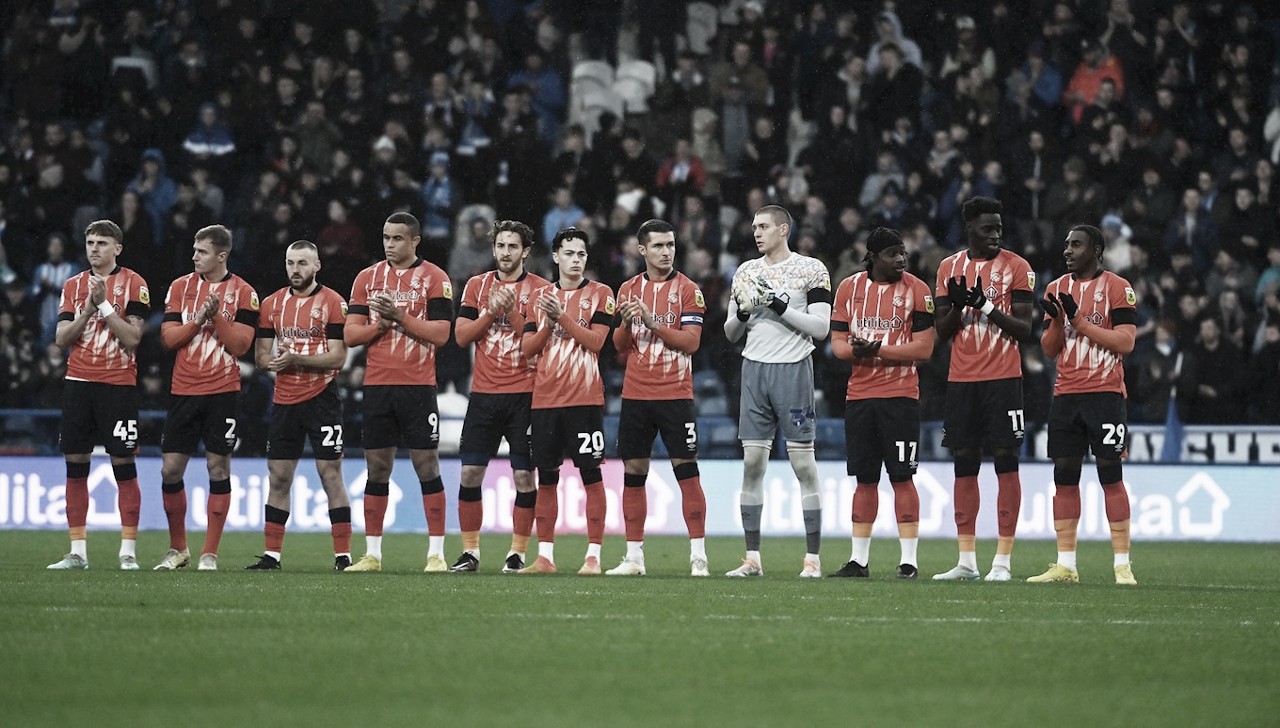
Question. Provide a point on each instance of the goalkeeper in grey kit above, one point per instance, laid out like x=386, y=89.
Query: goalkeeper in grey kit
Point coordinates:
x=782, y=302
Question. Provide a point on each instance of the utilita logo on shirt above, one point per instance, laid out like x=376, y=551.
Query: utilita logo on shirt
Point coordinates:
x=298, y=332
x=402, y=295
x=875, y=322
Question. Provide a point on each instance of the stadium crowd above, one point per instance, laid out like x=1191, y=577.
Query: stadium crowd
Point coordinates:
x=1156, y=120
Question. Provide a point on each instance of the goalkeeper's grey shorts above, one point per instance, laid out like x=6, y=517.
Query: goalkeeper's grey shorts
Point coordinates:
x=777, y=396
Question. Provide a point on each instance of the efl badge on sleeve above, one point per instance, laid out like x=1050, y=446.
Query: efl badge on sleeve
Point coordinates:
x=344, y=309
x=928, y=304
x=1130, y=297
x=1031, y=279
x=609, y=306
x=144, y=295
x=448, y=290
x=698, y=300
x=253, y=300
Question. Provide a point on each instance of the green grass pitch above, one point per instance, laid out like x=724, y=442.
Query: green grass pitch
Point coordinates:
x=1194, y=644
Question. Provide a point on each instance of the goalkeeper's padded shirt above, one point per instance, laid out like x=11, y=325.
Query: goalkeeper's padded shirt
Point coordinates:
x=770, y=340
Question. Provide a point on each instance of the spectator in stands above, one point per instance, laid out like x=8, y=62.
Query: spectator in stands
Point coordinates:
x=156, y=189
x=1194, y=228
x=740, y=65
x=1265, y=390
x=893, y=90
x=441, y=201
x=546, y=91
x=1215, y=380
x=1096, y=65
x=889, y=33
x=564, y=213
x=681, y=174
x=47, y=282
x=210, y=143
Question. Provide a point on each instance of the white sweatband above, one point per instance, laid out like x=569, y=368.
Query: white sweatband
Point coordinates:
x=106, y=309
x=987, y=308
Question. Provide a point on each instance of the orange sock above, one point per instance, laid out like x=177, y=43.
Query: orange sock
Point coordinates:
x=635, y=504
x=547, y=511
x=1008, y=502
x=128, y=498
x=694, y=504
x=522, y=520
x=968, y=500
x=470, y=516
x=906, y=501
x=866, y=502
x=175, y=512
x=596, y=507
x=433, y=504
x=218, y=505
x=77, y=499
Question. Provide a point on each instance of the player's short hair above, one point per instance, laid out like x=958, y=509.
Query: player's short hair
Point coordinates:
x=304, y=245
x=217, y=235
x=1095, y=236
x=105, y=228
x=512, y=226
x=974, y=207
x=570, y=233
x=653, y=226
x=404, y=218
x=778, y=213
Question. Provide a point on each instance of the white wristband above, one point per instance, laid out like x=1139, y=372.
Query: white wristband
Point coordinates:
x=987, y=308
x=106, y=309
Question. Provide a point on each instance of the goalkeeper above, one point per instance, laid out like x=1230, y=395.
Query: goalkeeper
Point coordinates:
x=782, y=302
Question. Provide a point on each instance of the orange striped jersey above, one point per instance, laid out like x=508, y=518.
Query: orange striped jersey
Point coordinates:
x=980, y=351
x=1107, y=301
x=305, y=325
x=887, y=312
x=97, y=355
x=204, y=366
x=422, y=291
x=655, y=372
x=568, y=374
x=499, y=366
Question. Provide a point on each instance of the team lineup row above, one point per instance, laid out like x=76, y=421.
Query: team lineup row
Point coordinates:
x=536, y=383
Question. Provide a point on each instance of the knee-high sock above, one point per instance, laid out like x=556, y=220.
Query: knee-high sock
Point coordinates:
x=218, y=505
x=77, y=499
x=375, y=507
x=273, y=530
x=805, y=466
x=547, y=509
x=433, y=504
x=129, y=499
x=1008, y=502
x=755, y=459
x=693, y=503
x=470, y=516
x=635, y=505
x=968, y=500
x=340, y=528
x=596, y=511
x=1066, y=517
x=522, y=513
x=1117, y=504
x=175, y=511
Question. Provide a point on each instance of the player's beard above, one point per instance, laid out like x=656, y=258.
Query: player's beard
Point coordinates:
x=306, y=284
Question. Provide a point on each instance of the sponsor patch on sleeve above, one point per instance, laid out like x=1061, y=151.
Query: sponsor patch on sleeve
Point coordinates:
x=253, y=300
x=1031, y=279
x=609, y=305
x=448, y=289
x=698, y=299
x=1130, y=297
x=144, y=295
x=928, y=304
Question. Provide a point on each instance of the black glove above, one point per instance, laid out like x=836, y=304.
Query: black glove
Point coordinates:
x=1050, y=306
x=777, y=305
x=1069, y=306
x=976, y=297
x=864, y=348
x=957, y=291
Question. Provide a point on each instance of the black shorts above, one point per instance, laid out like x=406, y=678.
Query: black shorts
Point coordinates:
x=983, y=414
x=1079, y=422
x=491, y=417
x=642, y=419
x=575, y=432
x=208, y=417
x=98, y=414
x=318, y=419
x=396, y=414
x=882, y=432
